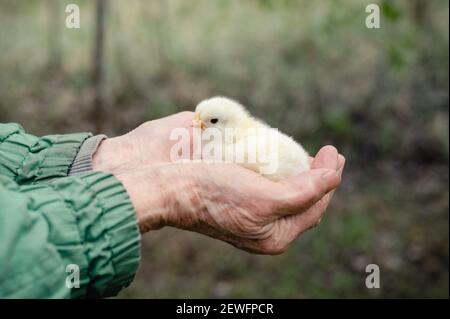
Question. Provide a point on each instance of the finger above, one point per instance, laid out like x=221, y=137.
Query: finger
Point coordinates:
x=305, y=191
x=341, y=163
x=340, y=168
x=327, y=157
x=312, y=217
x=300, y=192
x=322, y=204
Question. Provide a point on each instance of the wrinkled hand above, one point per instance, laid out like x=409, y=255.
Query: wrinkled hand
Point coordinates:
x=147, y=144
x=224, y=201
x=233, y=204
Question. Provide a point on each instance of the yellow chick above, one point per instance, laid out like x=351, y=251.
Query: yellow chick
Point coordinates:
x=248, y=141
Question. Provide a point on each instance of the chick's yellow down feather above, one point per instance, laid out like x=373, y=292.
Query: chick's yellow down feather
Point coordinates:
x=278, y=156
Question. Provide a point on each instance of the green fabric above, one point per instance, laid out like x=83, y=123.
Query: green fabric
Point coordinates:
x=49, y=221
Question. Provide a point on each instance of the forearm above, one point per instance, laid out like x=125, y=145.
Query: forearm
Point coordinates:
x=85, y=220
x=156, y=191
x=163, y=195
x=28, y=159
x=148, y=198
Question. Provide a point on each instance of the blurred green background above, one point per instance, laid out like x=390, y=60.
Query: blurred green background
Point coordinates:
x=310, y=68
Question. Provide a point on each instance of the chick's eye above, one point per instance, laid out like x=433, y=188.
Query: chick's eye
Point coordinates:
x=214, y=121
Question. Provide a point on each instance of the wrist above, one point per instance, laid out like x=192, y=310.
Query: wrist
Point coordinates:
x=146, y=196
x=148, y=192
x=83, y=159
x=162, y=195
x=110, y=155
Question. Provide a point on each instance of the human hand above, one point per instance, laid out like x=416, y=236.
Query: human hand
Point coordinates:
x=233, y=204
x=148, y=144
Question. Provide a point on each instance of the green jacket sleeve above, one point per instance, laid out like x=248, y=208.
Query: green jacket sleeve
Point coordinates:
x=28, y=159
x=55, y=229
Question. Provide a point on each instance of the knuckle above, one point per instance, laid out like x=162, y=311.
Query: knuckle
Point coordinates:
x=312, y=191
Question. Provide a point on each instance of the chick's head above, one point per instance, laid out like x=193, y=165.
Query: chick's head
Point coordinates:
x=220, y=113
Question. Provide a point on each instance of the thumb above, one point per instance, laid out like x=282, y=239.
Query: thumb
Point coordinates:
x=305, y=189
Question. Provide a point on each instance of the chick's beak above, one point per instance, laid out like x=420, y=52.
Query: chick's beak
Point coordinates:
x=197, y=122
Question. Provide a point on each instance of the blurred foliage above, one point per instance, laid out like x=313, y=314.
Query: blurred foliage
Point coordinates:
x=310, y=68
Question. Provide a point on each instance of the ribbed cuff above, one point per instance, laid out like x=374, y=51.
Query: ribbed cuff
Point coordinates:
x=83, y=160
x=108, y=230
